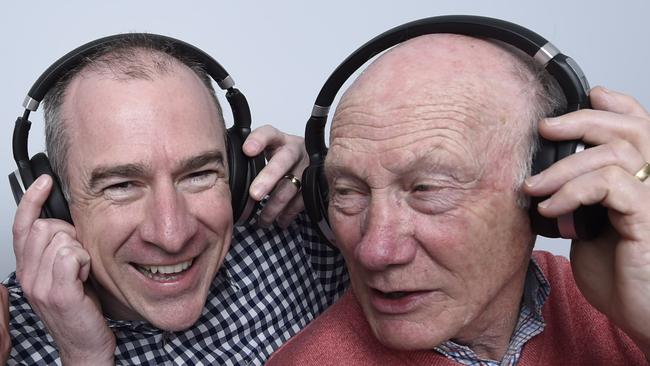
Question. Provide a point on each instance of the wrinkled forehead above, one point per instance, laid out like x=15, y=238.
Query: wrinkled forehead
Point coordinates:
x=442, y=80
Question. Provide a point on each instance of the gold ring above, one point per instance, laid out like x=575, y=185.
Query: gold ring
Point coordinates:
x=295, y=181
x=643, y=173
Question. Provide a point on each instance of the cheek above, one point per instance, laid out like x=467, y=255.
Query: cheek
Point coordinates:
x=346, y=230
x=103, y=232
x=481, y=245
x=212, y=208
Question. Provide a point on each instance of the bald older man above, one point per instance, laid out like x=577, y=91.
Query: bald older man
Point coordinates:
x=428, y=154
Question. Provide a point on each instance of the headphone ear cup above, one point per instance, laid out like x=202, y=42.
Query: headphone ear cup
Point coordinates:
x=55, y=206
x=315, y=194
x=586, y=222
x=241, y=170
x=545, y=156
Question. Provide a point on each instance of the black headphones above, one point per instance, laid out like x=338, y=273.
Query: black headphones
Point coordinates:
x=583, y=223
x=242, y=169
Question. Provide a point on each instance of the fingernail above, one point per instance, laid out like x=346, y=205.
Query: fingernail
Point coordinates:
x=256, y=192
x=251, y=145
x=533, y=180
x=42, y=181
x=551, y=121
x=544, y=203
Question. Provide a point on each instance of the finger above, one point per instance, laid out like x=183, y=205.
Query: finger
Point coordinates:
x=262, y=138
x=29, y=209
x=290, y=212
x=618, y=152
x=287, y=158
x=609, y=100
x=611, y=186
x=42, y=285
x=39, y=238
x=277, y=202
x=69, y=271
x=598, y=127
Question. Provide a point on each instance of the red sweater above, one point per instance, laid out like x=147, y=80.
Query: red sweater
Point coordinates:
x=575, y=334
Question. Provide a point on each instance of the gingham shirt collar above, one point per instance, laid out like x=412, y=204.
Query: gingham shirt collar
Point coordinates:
x=272, y=283
x=530, y=323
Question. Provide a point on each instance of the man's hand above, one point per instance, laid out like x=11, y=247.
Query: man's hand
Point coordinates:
x=613, y=270
x=286, y=155
x=5, y=339
x=52, y=267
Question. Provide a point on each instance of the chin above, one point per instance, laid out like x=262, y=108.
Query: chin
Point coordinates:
x=405, y=336
x=176, y=322
x=175, y=317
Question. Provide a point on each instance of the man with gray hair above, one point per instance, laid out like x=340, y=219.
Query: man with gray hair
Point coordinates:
x=426, y=168
x=147, y=274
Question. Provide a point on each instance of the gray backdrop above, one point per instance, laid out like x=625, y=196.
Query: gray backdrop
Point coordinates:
x=280, y=52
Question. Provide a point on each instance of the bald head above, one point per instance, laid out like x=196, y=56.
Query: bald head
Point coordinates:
x=457, y=67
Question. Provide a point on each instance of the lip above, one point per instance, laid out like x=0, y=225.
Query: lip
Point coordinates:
x=394, y=306
x=174, y=285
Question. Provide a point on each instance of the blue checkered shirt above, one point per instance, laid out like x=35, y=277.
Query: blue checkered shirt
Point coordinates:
x=272, y=283
x=530, y=324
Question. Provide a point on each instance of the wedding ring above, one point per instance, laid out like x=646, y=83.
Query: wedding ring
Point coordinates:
x=295, y=181
x=643, y=173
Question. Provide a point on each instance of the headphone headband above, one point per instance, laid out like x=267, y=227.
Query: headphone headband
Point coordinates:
x=75, y=57
x=524, y=39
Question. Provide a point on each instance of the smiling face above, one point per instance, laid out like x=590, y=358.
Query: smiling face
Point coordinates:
x=149, y=191
x=421, y=170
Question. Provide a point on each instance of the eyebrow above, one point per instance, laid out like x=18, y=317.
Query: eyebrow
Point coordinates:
x=141, y=170
x=201, y=160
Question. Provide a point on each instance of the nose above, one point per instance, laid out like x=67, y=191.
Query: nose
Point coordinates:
x=168, y=222
x=388, y=235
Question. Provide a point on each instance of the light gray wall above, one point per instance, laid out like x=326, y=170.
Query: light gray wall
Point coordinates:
x=280, y=52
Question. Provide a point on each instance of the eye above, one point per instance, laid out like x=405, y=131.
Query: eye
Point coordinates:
x=121, y=191
x=433, y=197
x=348, y=200
x=424, y=188
x=197, y=181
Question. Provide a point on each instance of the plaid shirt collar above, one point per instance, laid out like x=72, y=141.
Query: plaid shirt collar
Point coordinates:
x=530, y=323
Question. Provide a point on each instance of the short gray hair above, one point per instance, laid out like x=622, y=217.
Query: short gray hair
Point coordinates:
x=123, y=59
x=548, y=101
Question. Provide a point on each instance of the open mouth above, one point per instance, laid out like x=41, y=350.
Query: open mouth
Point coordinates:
x=164, y=273
x=394, y=295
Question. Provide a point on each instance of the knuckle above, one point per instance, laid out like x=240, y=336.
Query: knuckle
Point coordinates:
x=40, y=226
x=37, y=296
x=621, y=150
x=18, y=229
x=59, y=300
x=61, y=238
x=612, y=174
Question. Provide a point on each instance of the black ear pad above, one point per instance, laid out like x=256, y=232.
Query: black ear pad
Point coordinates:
x=242, y=171
x=315, y=194
x=586, y=222
x=56, y=206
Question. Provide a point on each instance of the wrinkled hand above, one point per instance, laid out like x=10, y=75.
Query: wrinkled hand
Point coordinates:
x=286, y=155
x=52, y=266
x=612, y=271
x=5, y=339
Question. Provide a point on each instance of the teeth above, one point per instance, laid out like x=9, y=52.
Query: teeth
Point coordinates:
x=171, y=269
